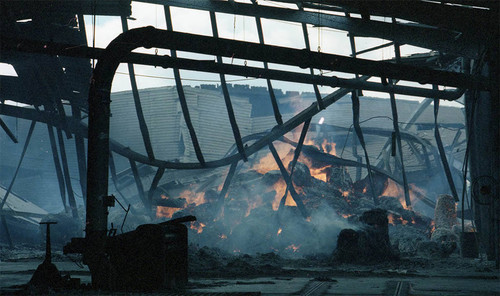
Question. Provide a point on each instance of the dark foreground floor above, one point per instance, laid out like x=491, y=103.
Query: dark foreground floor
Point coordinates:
x=269, y=274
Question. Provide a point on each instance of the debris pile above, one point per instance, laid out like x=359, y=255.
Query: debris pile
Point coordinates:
x=260, y=214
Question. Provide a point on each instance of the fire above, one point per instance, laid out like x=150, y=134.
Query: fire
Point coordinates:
x=345, y=193
x=397, y=220
x=280, y=188
x=198, y=226
x=395, y=190
x=318, y=173
x=293, y=248
x=165, y=212
x=390, y=217
x=267, y=163
x=223, y=236
x=345, y=216
x=328, y=147
x=191, y=197
x=279, y=231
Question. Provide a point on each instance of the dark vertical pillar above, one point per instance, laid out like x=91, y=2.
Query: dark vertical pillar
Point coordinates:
x=483, y=131
x=67, y=177
x=57, y=165
x=81, y=157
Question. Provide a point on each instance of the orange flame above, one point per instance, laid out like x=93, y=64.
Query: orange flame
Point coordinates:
x=397, y=220
x=328, y=147
x=395, y=190
x=390, y=217
x=280, y=187
x=193, y=197
x=293, y=248
x=165, y=212
x=279, y=231
x=198, y=226
x=190, y=197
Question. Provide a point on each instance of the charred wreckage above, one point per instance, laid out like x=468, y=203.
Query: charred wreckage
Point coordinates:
x=285, y=176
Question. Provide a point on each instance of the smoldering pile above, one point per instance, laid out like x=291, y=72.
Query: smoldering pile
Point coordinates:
x=256, y=216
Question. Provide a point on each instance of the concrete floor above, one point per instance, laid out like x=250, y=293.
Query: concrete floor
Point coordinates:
x=430, y=282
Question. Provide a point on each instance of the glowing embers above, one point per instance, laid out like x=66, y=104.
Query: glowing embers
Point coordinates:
x=393, y=189
x=185, y=198
x=257, y=216
x=197, y=226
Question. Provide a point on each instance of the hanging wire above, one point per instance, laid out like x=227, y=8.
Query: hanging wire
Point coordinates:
x=319, y=28
x=94, y=7
x=187, y=79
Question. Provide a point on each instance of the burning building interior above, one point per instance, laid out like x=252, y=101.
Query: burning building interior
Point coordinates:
x=246, y=147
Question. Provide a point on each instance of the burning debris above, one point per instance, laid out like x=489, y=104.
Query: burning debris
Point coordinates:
x=260, y=214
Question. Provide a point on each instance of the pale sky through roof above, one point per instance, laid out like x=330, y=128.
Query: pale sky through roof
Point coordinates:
x=243, y=28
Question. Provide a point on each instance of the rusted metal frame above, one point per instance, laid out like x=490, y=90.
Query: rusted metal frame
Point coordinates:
x=432, y=38
x=62, y=113
x=225, y=186
x=406, y=126
x=57, y=165
x=417, y=154
x=272, y=54
x=272, y=96
x=140, y=186
x=442, y=152
x=26, y=8
x=372, y=48
x=274, y=134
x=359, y=133
x=80, y=155
x=137, y=101
x=67, y=177
x=23, y=153
x=7, y=130
x=154, y=184
x=298, y=148
x=457, y=18
x=296, y=155
x=395, y=124
x=9, y=189
x=308, y=48
x=308, y=59
x=357, y=156
x=246, y=71
x=227, y=98
x=352, y=42
x=288, y=180
x=54, y=96
x=182, y=96
x=114, y=178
